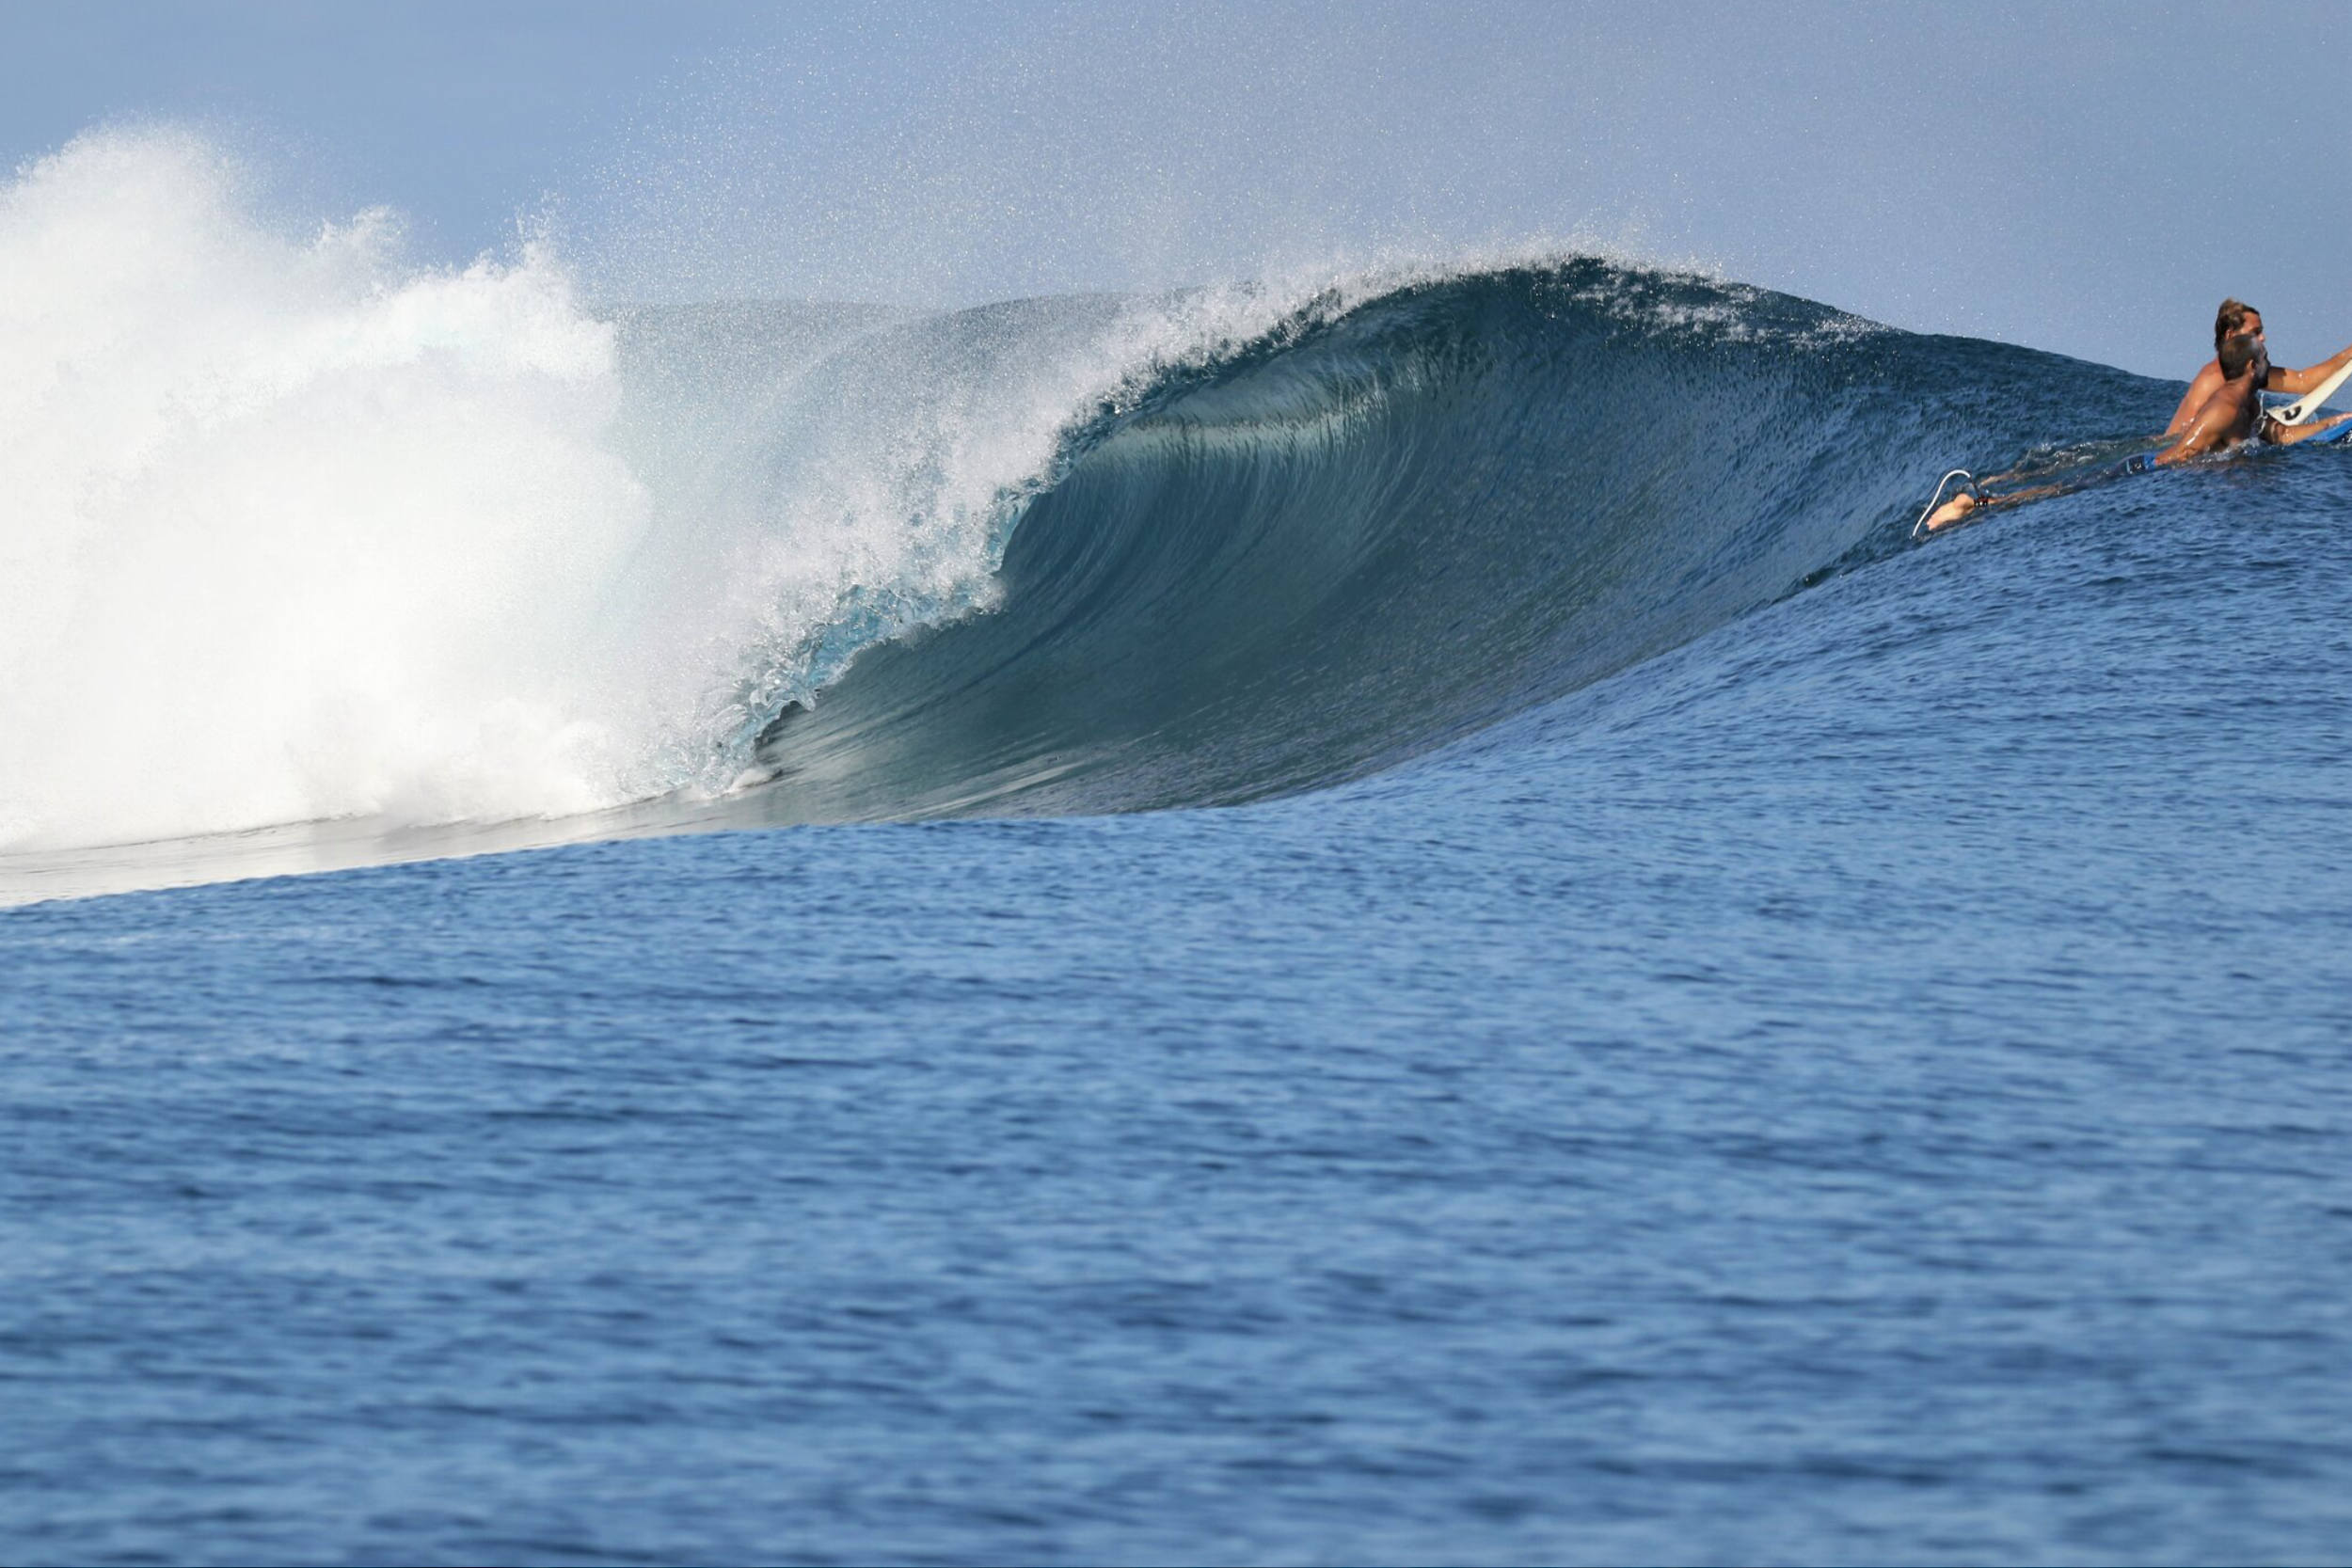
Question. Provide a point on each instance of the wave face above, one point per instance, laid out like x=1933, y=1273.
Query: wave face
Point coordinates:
x=295, y=532
x=1383, y=526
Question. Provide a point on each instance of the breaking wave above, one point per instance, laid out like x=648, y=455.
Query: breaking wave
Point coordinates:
x=293, y=530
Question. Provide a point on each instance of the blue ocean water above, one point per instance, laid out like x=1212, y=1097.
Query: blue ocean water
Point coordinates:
x=1459, y=960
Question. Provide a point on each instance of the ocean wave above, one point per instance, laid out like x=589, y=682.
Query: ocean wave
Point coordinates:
x=296, y=531
x=1388, y=524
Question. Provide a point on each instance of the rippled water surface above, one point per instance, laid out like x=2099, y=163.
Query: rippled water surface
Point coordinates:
x=1869, y=1084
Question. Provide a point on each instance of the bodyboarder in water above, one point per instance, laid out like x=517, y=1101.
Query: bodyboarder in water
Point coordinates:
x=2230, y=414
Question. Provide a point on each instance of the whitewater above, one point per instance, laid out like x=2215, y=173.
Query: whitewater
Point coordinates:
x=1378, y=914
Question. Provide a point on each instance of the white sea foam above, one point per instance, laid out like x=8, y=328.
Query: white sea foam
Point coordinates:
x=287, y=532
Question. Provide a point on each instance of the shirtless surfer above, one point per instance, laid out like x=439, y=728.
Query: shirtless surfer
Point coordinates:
x=2230, y=412
x=2236, y=316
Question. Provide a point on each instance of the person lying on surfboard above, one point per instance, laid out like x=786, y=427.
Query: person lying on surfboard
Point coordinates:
x=2236, y=316
x=2231, y=414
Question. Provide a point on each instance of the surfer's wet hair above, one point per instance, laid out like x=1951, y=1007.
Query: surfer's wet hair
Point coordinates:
x=2238, y=353
x=2229, y=320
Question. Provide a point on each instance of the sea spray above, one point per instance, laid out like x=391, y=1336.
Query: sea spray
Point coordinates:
x=290, y=530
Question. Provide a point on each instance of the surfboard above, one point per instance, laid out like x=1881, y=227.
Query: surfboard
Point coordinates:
x=2305, y=406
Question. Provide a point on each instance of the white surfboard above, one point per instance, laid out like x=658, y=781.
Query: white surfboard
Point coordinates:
x=2305, y=406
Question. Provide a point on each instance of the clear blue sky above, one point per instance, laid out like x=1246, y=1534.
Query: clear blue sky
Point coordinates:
x=2089, y=179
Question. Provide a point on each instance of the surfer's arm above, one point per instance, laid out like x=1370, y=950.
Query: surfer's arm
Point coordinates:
x=2201, y=387
x=2287, y=435
x=2208, y=430
x=2310, y=376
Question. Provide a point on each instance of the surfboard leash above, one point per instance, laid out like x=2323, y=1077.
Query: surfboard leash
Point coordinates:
x=1966, y=478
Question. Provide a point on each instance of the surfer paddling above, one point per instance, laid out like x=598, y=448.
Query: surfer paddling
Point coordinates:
x=2236, y=316
x=2230, y=412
